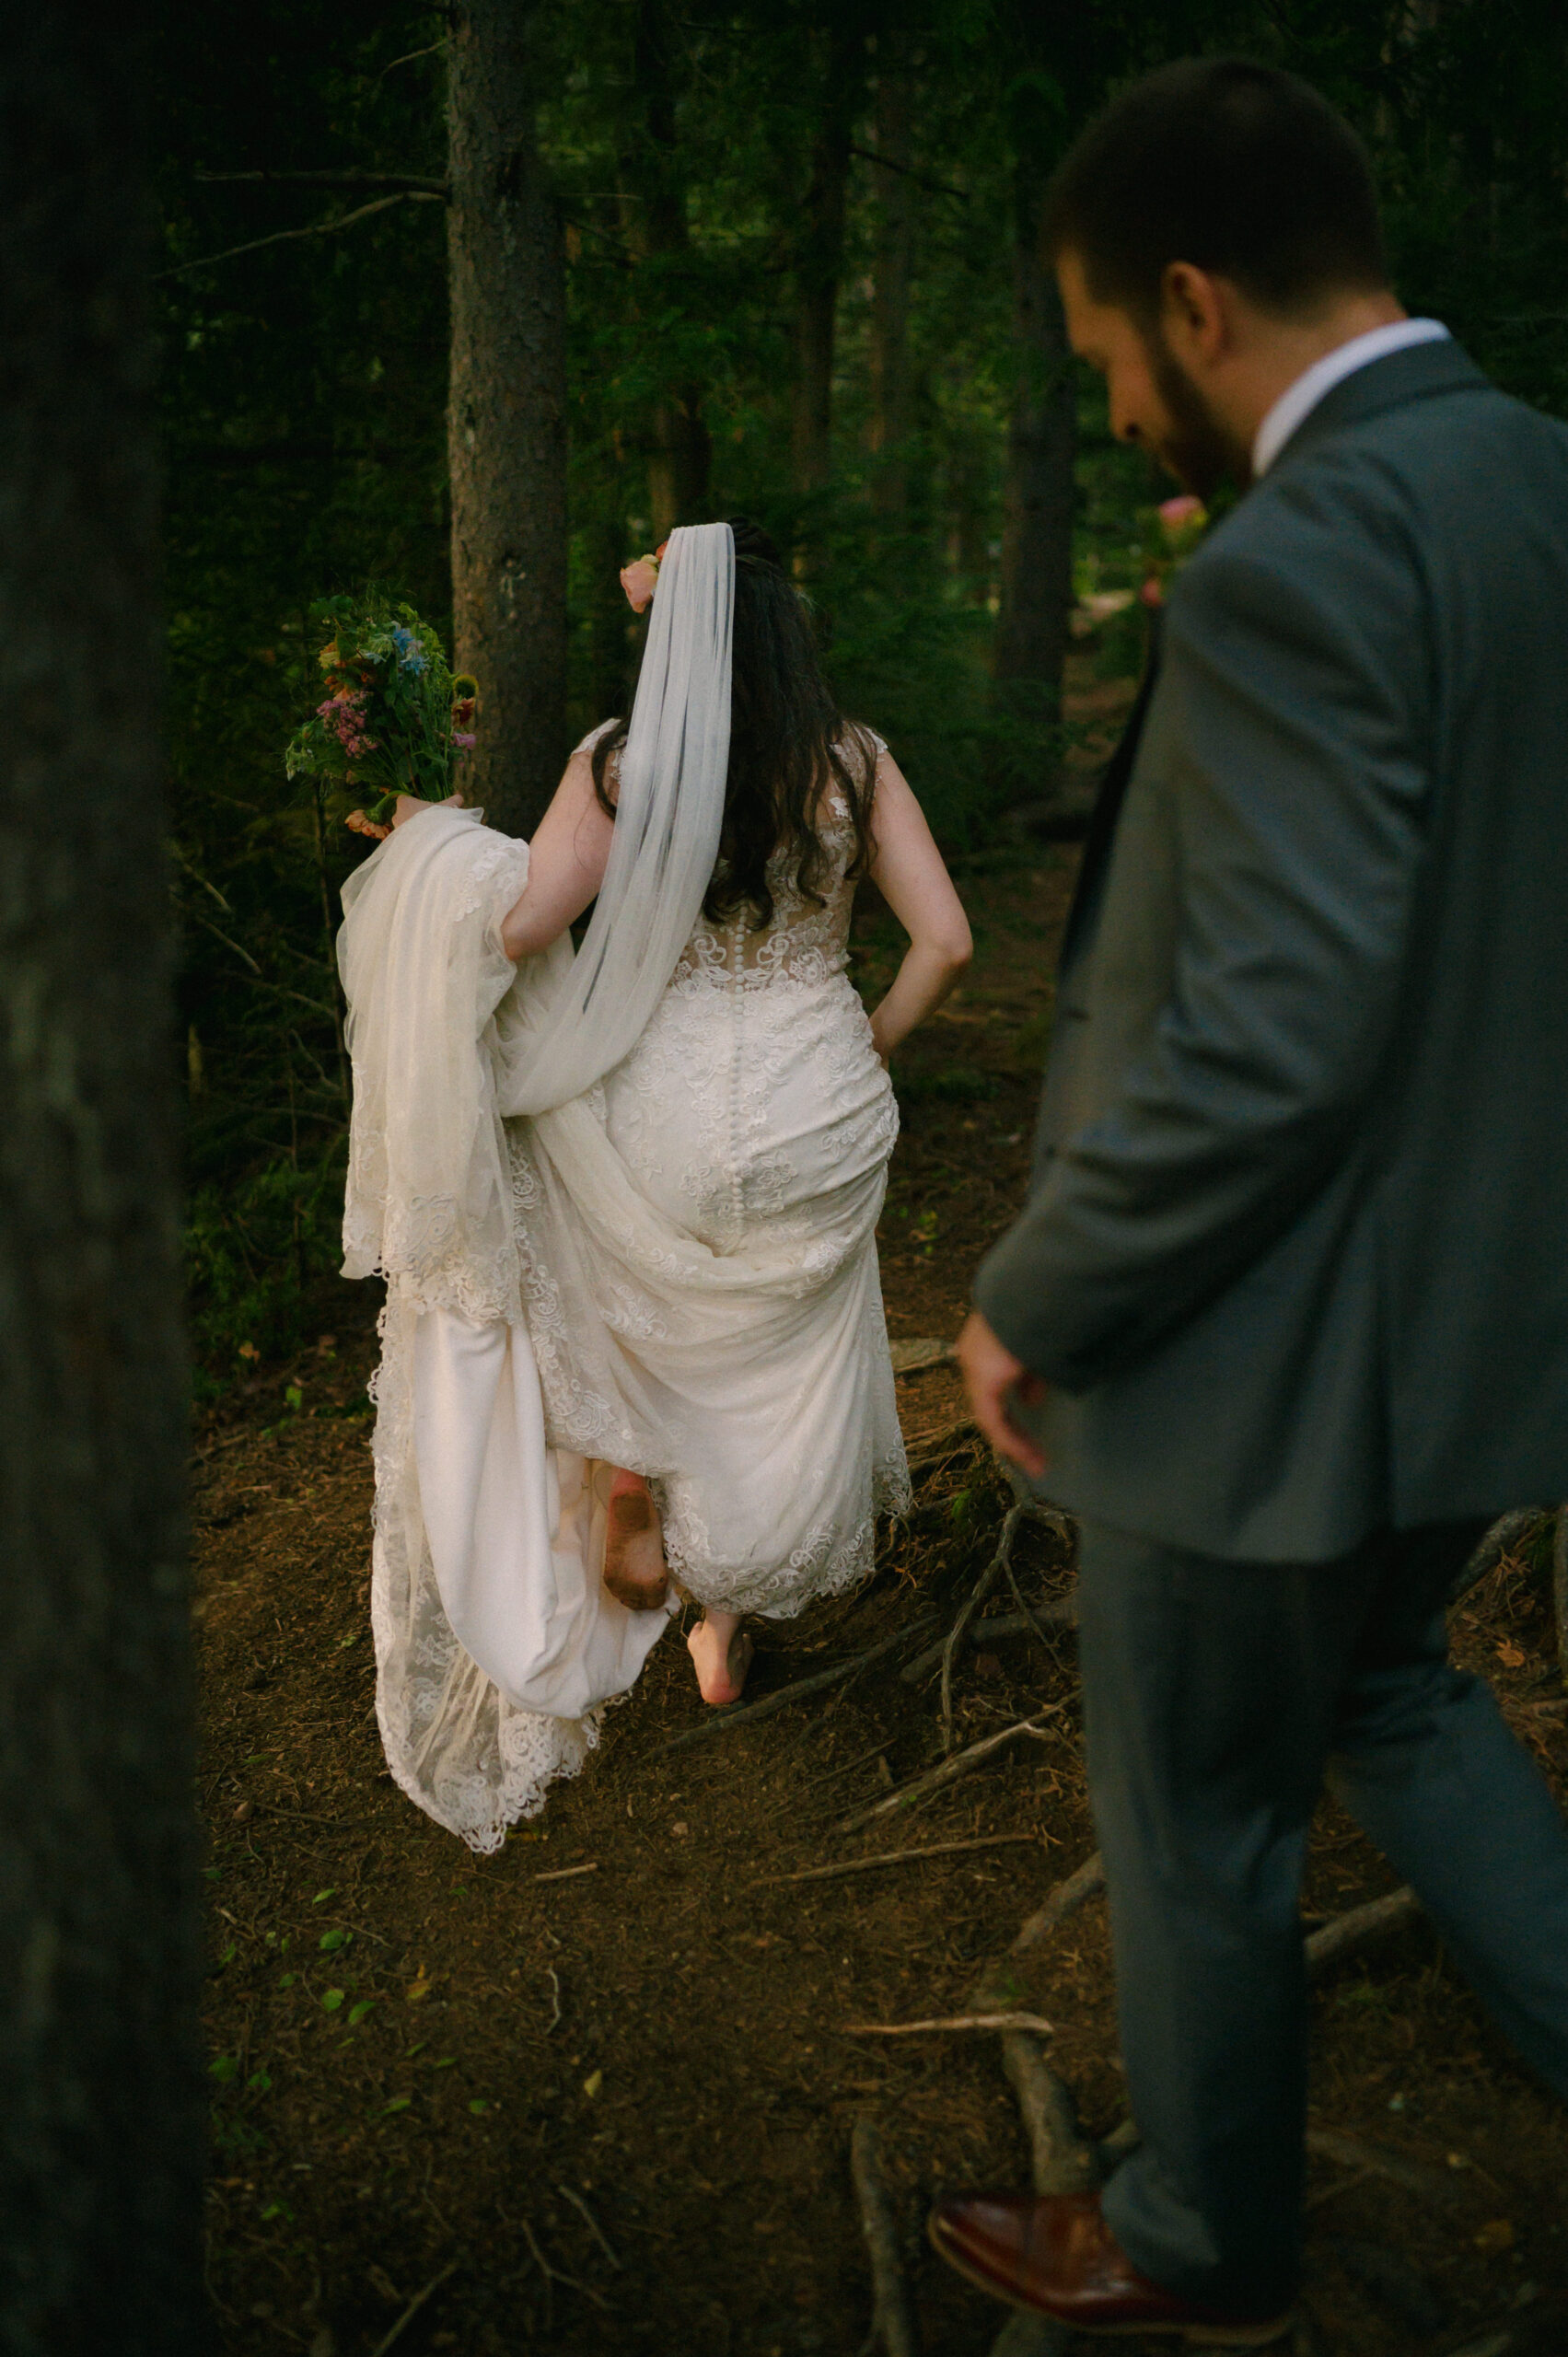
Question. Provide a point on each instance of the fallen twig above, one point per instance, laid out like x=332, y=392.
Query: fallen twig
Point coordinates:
x=1060, y=2160
x=1361, y=1926
x=949, y=2021
x=967, y=1611
x=1351, y=2153
x=945, y=1444
x=554, y=1979
x=816, y=1684
x=414, y=2308
x=923, y=1787
x=1059, y=1612
x=564, y=1874
x=891, y=2320
x=913, y=1357
x=554, y=2274
x=593, y=2225
x=1085, y=1882
x=892, y=1858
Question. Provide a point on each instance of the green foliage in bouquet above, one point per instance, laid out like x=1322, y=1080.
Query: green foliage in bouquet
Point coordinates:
x=395, y=720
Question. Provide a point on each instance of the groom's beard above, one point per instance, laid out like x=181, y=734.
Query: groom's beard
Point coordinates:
x=1200, y=451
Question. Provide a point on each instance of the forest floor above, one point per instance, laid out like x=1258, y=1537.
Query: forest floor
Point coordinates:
x=595, y=2093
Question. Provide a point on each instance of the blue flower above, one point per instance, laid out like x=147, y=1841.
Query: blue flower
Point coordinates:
x=411, y=655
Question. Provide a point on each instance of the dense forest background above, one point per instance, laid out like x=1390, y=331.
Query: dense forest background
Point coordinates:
x=779, y=260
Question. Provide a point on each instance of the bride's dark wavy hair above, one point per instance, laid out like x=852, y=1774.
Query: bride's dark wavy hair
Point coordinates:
x=787, y=740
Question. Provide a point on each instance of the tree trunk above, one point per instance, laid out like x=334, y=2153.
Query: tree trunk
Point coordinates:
x=680, y=450
x=506, y=414
x=101, y=2083
x=1037, y=522
x=892, y=402
x=818, y=265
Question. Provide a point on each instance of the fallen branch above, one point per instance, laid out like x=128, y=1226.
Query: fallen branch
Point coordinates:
x=914, y=1357
x=1085, y=1882
x=967, y=1611
x=553, y=2275
x=564, y=1874
x=1376, y=2160
x=1060, y=2160
x=942, y=1444
x=1495, y=1543
x=414, y=2308
x=948, y=1770
x=797, y=1692
x=891, y=2320
x=1359, y=1926
x=1059, y=1612
x=946, y=2023
x=592, y=2223
x=891, y=1858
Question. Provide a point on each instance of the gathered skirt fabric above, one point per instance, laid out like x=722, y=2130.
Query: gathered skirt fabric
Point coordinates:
x=730, y=1342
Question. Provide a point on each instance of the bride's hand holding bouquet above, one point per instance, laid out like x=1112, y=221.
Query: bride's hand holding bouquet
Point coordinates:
x=394, y=717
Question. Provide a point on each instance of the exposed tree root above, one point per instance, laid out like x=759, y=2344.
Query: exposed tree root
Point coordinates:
x=892, y=2320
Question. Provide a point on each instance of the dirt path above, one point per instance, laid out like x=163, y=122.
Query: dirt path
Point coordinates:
x=596, y=2091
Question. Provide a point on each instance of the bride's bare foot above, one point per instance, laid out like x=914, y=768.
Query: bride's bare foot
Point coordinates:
x=722, y=1651
x=634, y=1569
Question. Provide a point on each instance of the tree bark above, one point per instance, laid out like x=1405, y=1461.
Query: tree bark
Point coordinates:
x=680, y=449
x=101, y=2085
x=506, y=413
x=892, y=407
x=1036, y=523
x=819, y=263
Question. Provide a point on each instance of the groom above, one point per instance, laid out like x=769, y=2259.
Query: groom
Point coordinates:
x=1287, y=1314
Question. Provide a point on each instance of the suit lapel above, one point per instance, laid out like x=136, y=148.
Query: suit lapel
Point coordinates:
x=1112, y=791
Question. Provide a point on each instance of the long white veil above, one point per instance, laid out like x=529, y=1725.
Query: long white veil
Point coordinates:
x=667, y=822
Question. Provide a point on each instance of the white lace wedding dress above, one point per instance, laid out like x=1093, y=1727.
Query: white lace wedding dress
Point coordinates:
x=675, y=1271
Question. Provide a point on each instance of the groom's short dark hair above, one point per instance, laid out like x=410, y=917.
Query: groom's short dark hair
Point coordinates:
x=1241, y=170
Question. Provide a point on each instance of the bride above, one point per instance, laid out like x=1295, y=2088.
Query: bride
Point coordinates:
x=625, y=1200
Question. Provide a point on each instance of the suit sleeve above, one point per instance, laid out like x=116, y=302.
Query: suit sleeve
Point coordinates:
x=1300, y=786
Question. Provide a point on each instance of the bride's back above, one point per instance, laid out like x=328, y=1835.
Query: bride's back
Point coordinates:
x=798, y=794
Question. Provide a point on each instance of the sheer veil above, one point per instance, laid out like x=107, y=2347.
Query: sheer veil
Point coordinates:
x=667, y=824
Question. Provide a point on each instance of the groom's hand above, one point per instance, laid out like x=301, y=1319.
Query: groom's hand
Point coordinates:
x=991, y=1372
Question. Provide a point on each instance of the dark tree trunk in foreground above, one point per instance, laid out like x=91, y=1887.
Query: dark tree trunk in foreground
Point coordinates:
x=506, y=414
x=1037, y=522
x=100, y=2107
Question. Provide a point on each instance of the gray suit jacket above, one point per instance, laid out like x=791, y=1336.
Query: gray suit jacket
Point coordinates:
x=1295, y=1253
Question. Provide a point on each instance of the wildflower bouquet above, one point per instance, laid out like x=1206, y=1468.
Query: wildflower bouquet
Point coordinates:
x=394, y=719
x=1172, y=531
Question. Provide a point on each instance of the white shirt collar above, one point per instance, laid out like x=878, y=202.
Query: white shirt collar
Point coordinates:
x=1298, y=401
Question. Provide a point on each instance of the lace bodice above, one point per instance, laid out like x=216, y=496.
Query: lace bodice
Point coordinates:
x=807, y=939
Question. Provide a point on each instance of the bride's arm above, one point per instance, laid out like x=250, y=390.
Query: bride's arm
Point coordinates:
x=907, y=869
x=566, y=864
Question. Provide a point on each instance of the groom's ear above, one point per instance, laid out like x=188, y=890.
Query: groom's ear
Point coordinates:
x=1195, y=314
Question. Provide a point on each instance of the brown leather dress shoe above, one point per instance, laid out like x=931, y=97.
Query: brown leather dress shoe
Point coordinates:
x=1053, y=2253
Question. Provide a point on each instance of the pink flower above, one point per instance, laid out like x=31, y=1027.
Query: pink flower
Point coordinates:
x=1152, y=594
x=1182, y=517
